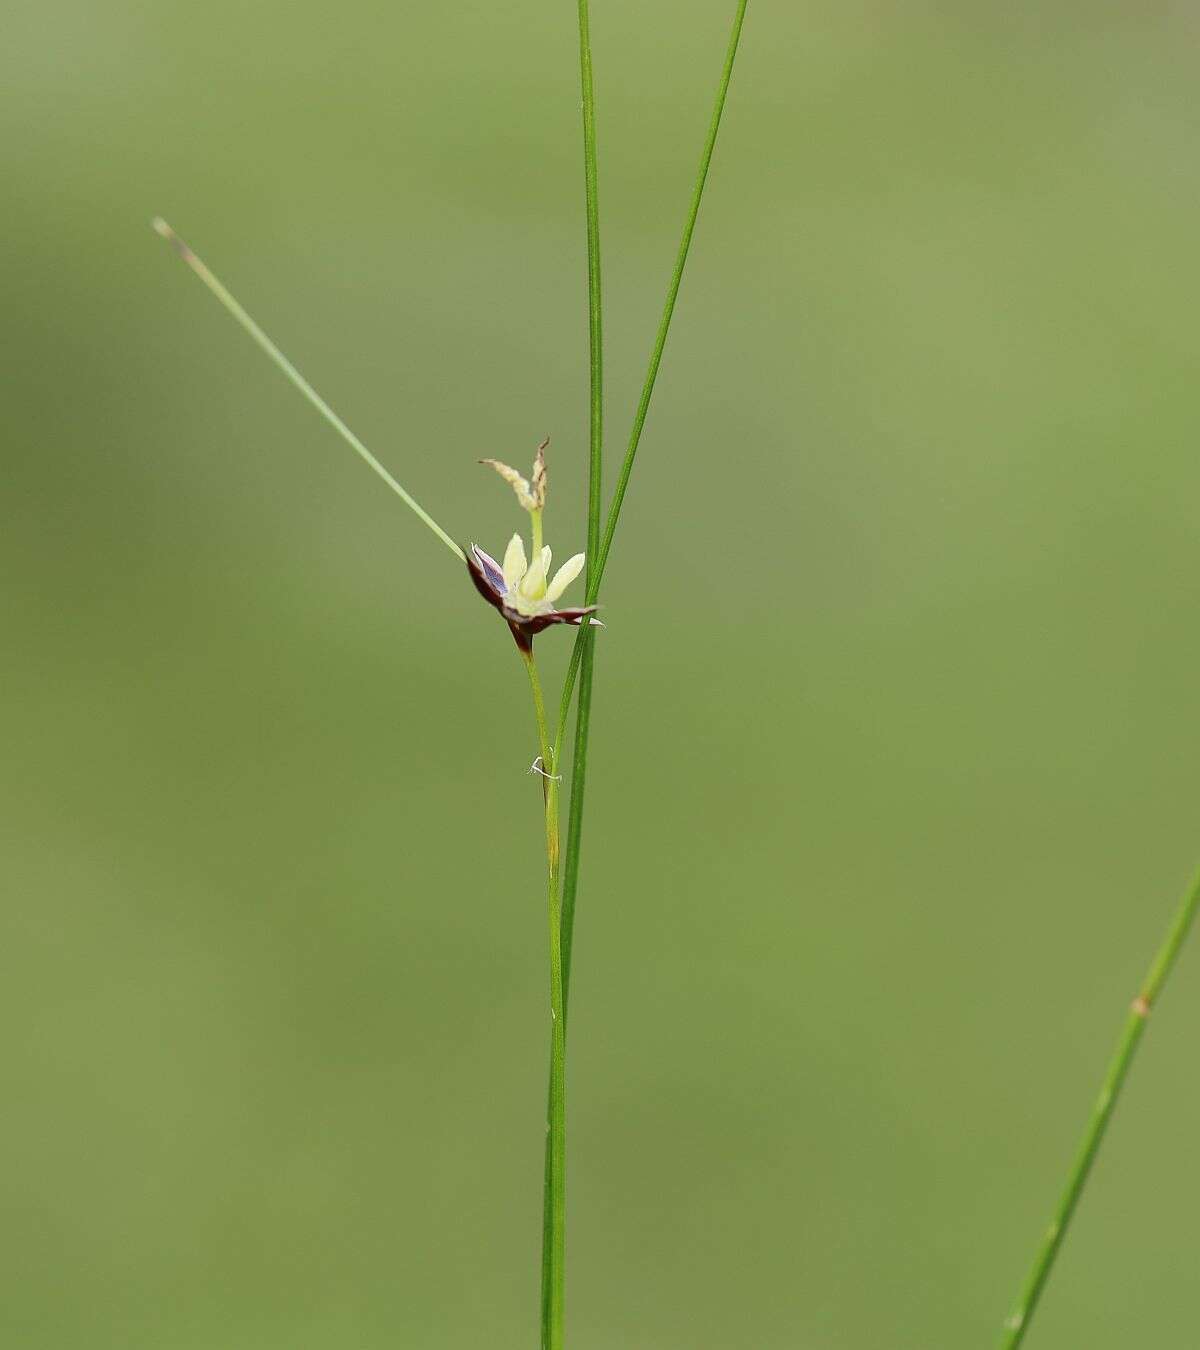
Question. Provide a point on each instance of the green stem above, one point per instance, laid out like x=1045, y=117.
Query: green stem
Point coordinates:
x=583, y=651
x=595, y=327
x=594, y=505
x=247, y=323
x=586, y=637
x=566, y=929
x=595, y=574
x=594, y=508
x=664, y=323
x=1118, y=1069
x=575, y=810
x=554, y=1204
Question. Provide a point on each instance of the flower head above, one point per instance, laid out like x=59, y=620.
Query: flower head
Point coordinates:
x=522, y=590
x=531, y=494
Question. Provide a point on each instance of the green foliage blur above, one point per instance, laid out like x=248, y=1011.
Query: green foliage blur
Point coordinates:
x=893, y=778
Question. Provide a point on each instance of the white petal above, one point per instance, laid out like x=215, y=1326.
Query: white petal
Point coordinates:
x=546, y=555
x=533, y=583
x=564, y=576
x=514, y=562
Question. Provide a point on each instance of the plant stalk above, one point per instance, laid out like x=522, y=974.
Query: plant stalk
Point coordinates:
x=1017, y=1325
x=595, y=462
x=554, y=1203
x=595, y=316
x=582, y=658
x=664, y=323
x=595, y=574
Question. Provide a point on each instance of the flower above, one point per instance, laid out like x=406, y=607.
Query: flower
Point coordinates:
x=522, y=591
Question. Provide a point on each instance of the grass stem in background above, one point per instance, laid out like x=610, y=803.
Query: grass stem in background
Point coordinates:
x=214, y=285
x=1118, y=1069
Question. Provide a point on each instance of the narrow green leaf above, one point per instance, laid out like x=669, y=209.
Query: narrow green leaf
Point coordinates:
x=240, y=315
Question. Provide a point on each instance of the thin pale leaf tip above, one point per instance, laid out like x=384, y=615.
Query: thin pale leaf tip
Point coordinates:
x=161, y=227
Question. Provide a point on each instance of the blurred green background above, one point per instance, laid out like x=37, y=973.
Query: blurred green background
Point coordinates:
x=896, y=728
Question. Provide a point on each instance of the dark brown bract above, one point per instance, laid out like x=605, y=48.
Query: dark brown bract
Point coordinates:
x=488, y=576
